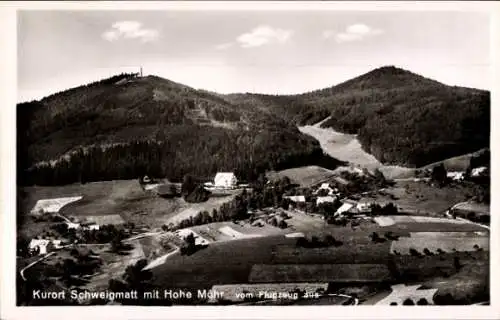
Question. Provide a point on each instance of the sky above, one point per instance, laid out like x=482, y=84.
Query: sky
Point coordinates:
x=276, y=52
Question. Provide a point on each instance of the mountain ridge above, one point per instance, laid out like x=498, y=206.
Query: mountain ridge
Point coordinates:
x=127, y=109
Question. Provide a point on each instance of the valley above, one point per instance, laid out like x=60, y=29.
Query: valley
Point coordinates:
x=162, y=186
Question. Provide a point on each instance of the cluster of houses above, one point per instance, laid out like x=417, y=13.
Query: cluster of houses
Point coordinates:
x=330, y=195
x=51, y=207
x=460, y=175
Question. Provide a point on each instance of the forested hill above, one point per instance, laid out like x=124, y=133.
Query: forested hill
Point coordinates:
x=400, y=117
x=127, y=126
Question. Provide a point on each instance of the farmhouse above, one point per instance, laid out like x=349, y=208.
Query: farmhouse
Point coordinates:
x=225, y=180
x=477, y=172
x=44, y=246
x=363, y=207
x=456, y=175
x=296, y=198
x=327, y=199
x=72, y=225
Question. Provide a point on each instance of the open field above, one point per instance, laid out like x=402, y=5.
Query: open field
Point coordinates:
x=459, y=163
x=224, y=231
x=114, y=265
x=300, y=221
x=391, y=220
x=470, y=206
x=319, y=273
x=349, y=253
x=420, y=198
x=346, y=147
x=123, y=197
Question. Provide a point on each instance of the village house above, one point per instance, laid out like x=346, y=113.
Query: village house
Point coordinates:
x=345, y=207
x=43, y=246
x=456, y=175
x=296, y=198
x=327, y=199
x=72, y=225
x=480, y=171
x=364, y=207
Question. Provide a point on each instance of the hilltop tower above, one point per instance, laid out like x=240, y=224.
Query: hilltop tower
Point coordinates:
x=140, y=72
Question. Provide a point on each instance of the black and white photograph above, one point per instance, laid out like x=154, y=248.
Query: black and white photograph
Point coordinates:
x=239, y=157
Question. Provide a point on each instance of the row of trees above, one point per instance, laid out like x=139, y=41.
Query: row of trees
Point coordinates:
x=188, y=150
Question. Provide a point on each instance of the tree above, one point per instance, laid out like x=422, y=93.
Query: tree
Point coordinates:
x=414, y=252
x=439, y=174
x=375, y=237
x=116, y=243
x=282, y=224
x=408, y=302
x=428, y=252
x=390, y=209
x=422, y=302
x=302, y=242
x=273, y=222
x=456, y=263
x=188, y=185
x=379, y=177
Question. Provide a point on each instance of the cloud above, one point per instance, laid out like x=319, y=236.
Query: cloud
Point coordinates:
x=224, y=46
x=129, y=30
x=354, y=32
x=263, y=35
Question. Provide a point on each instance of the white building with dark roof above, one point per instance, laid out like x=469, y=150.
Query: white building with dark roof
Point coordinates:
x=225, y=180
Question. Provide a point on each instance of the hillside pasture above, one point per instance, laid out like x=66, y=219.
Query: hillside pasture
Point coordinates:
x=402, y=219
x=123, y=197
x=224, y=231
x=345, y=254
x=420, y=198
x=319, y=273
x=346, y=147
x=304, y=176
